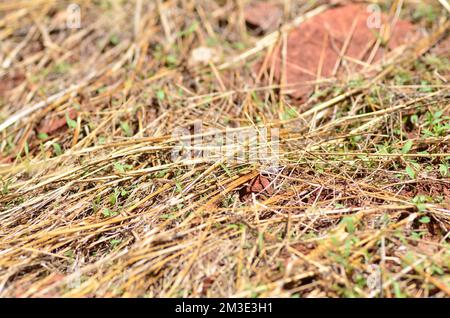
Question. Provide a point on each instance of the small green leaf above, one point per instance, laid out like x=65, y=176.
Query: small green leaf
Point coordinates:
x=113, y=197
x=114, y=39
x=57, y=149
x=421, y=207
x=425, y=87
x=69, y=254
x=26, y=148
x=161, y=174
x=5, y=188
x=443, y=170
x=414, y=119
x=289, y=114
x=115, y=242
x=166, y=216
x=70, y=123
x=160, y=94
x=42, y=136
x=107, y=212
x=179, y=187
x=424, y=219
x=126, y=129
x=349, y=224
x=226, y=170
x=407, y=146
x=238, y=45
x=101, y=140
x=411, y=173
x=397, y=290
x=438, y=114
x=171, y=60
x=260, y=241
x=119, y=167
x=189, y=30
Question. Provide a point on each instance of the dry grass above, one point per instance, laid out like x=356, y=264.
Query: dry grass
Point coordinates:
x=97, y=208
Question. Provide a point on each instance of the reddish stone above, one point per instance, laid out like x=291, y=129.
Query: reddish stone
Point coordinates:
x=266, y=16
x=305, y=45
x=258, y=185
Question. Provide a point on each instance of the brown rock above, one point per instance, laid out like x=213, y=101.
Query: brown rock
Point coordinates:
x=325, y=35
x=264, y=15
x=259, y=184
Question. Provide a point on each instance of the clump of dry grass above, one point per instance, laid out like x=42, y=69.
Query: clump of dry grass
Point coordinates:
x=95, y=207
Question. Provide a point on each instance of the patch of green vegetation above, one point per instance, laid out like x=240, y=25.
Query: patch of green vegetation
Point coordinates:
x=171, y=60
x=57, y=149
x=160, y=94
x=115, y=242
x=444, y=169
x=167, y=216
x=436, y=124
x=420, y=202
x=439, y=63
x=42, y=136
x=402, y=77
x=122, y=168
x=70, y=254
x=126, y=129
x=5, y=186
x=70, y=123
x=108, y=213
x=114, y=39
x=289, y=113
x=425, y=12
x=189, y=30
